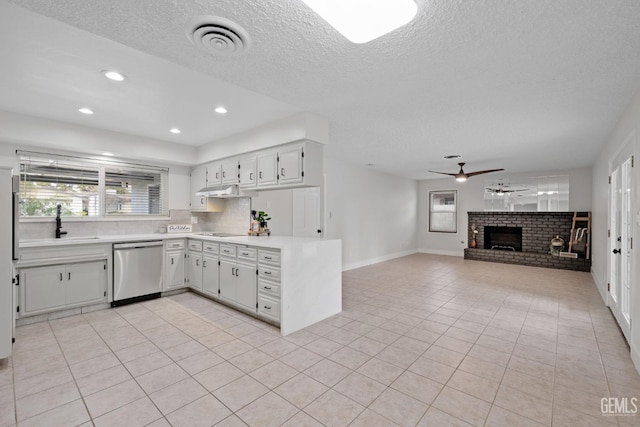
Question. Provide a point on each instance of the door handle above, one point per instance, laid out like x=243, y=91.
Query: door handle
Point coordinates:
x=616, y=251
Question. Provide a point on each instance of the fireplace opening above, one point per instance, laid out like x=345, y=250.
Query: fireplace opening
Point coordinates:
x=503, y=238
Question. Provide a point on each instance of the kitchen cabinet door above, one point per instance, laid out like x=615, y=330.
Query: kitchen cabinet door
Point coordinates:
x=86, y=282
x=174, y=270
x=43, y=288
x=290, y=166
x=194, y=276
x=210, y=275
x=230, y=172
x=267, y=166
x=247, y=286
x=228, y=280
x=198, y=181
x=214, y=174
x=248, y=172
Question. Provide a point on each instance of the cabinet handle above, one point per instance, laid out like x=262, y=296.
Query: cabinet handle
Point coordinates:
x=202, y=200
x=250, y=176
x=217, y=175
x=204, y=264
x=260, y=175
x=233, y=271
x=237, y=272
x=61, y=277
x=245, y=253
x=69, y=275
x=267, y=272
x=197, y=262
x=281, y=171
x=267, y=257
x=171, y=261
x=267, y=307
x=224, y=174
x=267, y=287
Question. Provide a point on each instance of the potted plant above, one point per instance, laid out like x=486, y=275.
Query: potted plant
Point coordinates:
x=261, y=217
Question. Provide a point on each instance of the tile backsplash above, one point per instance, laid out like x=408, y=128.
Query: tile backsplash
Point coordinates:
x=234, y=219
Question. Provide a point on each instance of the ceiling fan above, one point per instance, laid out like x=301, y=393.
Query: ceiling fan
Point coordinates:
x=461, y=176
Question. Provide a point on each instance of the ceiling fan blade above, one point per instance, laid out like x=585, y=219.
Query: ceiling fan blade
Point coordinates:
x=444, y=173
x=470, y=174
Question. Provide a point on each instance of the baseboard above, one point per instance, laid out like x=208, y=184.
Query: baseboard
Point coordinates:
x=635, y=356
x=439, y=252
x=602, y=289
x=370, y=261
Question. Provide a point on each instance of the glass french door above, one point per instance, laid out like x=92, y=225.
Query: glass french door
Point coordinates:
x=620, y=239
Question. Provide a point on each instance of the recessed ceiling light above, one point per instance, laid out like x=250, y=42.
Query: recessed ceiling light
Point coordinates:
x=174, y=130
x=106, y=153
x=370, y=164
x=85, y=110
x=452, y=156
x=361, y=21
x=220, y=110
x=114, y=75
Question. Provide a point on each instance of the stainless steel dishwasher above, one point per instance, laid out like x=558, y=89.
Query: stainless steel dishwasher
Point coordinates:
x=137, y=271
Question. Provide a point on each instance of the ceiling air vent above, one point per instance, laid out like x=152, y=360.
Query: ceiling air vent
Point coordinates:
x=217, y=35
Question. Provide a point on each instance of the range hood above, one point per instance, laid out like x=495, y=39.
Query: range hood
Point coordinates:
x=221, y=191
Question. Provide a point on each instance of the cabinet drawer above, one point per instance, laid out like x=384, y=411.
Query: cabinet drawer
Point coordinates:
x=175, y=244
x=195, y=245
x=269, y=272
x=211, y=248
x=269, y=257
x=269, y=307
x=247, y=254
x=228, y=250
x=269, y=288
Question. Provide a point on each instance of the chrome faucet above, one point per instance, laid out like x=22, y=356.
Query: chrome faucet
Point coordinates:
x=59, y=231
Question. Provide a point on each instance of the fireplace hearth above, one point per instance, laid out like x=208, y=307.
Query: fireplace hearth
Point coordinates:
x=503, y=238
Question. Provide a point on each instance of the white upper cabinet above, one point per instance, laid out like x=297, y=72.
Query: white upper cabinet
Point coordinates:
x=198, y=181
x=230, y=171
x=214, y=174
x=290, y=165
x=267, y=166
x=248, y=173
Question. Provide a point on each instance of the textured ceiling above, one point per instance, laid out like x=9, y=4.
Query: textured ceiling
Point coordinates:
x=523, y=85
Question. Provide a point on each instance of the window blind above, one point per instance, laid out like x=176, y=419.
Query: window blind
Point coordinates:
x=90, y=187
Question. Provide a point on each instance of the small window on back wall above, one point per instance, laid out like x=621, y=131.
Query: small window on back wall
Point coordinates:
x=443, y=211
x=87, y=187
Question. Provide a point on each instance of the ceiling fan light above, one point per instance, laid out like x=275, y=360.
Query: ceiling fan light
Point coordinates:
x=361, y=21
x=461, y=178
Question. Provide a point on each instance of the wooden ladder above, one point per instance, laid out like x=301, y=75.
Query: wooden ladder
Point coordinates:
x=586, y=219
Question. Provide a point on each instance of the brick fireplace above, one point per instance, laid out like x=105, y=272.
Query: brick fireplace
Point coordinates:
x=522, y=238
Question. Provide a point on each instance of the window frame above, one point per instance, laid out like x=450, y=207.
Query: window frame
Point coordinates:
x=101, y=166
x=434, y=228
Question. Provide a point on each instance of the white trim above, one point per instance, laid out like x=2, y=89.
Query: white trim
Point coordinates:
x=439, y=252
x=602, y=289
x=370, y=261
x=635, y=355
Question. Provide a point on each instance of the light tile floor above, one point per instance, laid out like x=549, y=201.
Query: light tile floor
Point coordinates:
x=423, y=340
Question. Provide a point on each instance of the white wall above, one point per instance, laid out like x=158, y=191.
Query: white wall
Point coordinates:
x=471, y=199
x=628, y=125
x=373, y=213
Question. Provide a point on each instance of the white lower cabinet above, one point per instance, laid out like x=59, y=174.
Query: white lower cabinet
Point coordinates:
x=59, y=286
x=269, y=285
x=210, y=275
x=174, y=277
x=194, y=265
x=238, y=277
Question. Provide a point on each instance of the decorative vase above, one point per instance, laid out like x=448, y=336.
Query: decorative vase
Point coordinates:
x=474, y=243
